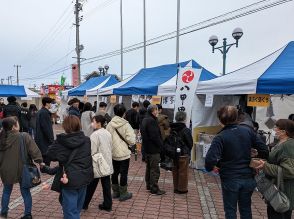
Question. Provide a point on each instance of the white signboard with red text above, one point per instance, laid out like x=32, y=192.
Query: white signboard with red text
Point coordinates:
x=187, y=82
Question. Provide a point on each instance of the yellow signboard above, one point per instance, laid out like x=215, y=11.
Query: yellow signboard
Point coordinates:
x=156, y=100
x=113, y=99
x=262, y=100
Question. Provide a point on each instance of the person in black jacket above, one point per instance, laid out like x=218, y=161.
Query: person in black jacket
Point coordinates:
x=153, y=143
x=132, y=116
x=142, y=115
x=181, y=164
x=25, y=117
x=230, y=150
x=44, y=132
x=74, y=108
x=12, y=109
x=79, y=172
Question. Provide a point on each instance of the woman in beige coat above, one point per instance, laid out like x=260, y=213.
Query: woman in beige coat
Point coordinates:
x=101, y=145
x=123, y=135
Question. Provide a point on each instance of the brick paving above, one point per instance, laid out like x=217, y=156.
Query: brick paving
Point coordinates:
x=204, y=199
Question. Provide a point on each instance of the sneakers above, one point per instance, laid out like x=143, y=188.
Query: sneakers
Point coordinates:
x=158, y=192
x=102, y=207
x=28, y=216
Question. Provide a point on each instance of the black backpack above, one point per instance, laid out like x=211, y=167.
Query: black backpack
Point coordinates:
x=171, y=143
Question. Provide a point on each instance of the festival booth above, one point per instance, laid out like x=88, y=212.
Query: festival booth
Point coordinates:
x=159, y=80
x=274, y=74
x=92, y=83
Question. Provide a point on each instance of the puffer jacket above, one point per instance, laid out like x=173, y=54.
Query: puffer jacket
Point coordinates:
x=80, y=170
x=120, y=150
x=11, y=163
x=101, y=142
x=283, y=155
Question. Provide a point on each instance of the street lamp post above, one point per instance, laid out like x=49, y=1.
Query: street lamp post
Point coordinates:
x=213, y=40
x=103, y=70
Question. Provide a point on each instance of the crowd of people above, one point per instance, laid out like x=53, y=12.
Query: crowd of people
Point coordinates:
x=94, y=147
x=97, y=147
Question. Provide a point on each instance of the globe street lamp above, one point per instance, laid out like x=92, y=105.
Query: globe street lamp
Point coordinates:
x=103, y=70
x=213, y=40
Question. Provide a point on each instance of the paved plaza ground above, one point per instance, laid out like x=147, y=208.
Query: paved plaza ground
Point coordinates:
x=204, y=199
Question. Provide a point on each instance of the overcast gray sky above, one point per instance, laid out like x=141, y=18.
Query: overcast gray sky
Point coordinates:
x=38, y=35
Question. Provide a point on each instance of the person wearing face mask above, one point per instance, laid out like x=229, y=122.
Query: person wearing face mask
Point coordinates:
x=282, y=155
x=87, y=118
x=101, y=142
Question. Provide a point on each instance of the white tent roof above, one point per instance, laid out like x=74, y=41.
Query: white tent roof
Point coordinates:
x=241, y=81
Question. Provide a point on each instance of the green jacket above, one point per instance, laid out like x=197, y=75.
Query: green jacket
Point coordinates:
x=10, y=157
x=283, y=156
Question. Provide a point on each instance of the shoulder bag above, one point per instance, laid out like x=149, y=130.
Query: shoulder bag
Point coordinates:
x=100, y=165
x=57, y=184
x=132, y=148
x=273, y=194
x=30, y=176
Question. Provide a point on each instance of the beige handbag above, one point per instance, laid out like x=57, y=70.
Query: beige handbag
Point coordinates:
x=100, y=166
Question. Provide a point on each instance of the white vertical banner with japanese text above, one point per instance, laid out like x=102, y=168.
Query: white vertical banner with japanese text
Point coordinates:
x=187, y=82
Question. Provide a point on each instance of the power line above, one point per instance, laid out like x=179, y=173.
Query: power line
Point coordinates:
x=171, y=35
x=47, y=37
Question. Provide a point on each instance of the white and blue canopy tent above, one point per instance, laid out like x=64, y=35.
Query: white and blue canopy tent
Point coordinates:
x=160, y=80
x=274, y=74
x=99, y=82
x=12, y=90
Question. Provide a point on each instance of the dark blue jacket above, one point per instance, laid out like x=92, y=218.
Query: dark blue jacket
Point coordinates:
x=231, y=151
x=74, y=111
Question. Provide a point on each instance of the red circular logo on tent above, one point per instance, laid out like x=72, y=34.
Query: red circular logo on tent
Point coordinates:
x=188, y=76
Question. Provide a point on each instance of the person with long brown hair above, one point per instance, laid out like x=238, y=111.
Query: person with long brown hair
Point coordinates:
x=11, y=163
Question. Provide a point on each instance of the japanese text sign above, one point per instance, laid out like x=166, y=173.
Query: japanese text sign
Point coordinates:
x=262, y=100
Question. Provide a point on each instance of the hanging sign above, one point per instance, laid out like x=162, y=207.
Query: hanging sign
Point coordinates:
x=186, y=87
x=208, y=100
x=156, y=100
x=135, y=98
x=262, y=100
x=168, y=102
x=113, y=99
x=119, y=99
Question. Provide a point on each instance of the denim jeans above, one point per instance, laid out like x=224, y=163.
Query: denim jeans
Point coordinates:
x=26, y=195
x=120, y=167
x=238, y=191
x=72, y=202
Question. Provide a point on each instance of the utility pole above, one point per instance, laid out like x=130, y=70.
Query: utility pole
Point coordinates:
x=121, y=42
x=2, y=79
x=144, y=21
x=178, y=31
x=10, y=79
x=79, y=48
x=17, y=78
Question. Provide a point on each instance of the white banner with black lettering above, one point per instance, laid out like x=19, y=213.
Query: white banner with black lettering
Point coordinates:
x=187, y=82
